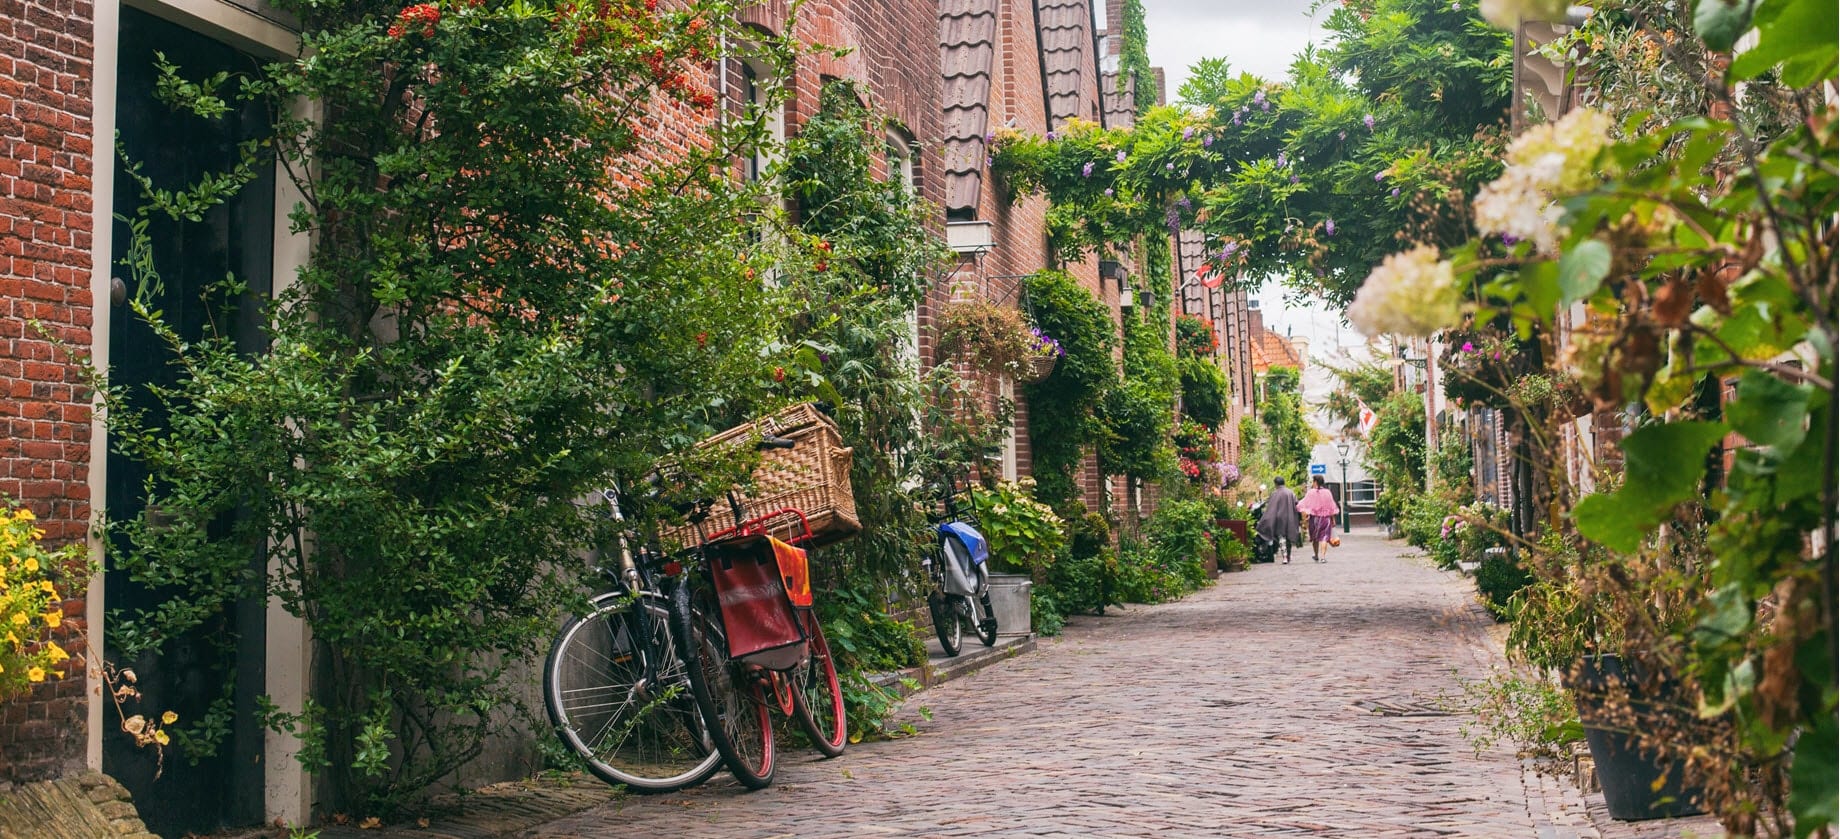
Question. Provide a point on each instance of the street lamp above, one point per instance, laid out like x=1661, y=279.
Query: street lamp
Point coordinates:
x=1341, y=449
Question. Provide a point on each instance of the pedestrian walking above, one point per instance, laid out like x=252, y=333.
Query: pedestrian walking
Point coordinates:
x=1320, y=506
x=1279, y=523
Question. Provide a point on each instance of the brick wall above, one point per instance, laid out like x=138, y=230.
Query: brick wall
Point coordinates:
x=45, y=225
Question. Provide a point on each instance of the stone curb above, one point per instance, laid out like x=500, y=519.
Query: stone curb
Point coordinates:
x=89, y=804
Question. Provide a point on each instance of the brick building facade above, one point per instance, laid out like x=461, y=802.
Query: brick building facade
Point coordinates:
x=61, y=85
x=46, y=312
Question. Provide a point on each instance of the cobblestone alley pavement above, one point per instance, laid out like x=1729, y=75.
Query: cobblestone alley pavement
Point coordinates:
x=1289, y=700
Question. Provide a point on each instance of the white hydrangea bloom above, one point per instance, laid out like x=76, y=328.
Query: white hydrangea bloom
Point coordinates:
x=1508, y=14
x=1410, y=293
x=1543, y=162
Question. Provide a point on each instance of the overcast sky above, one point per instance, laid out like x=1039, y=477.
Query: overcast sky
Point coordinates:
x=1255, y=36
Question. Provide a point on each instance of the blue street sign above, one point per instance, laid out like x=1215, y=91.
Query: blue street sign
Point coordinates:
x=1319, y=468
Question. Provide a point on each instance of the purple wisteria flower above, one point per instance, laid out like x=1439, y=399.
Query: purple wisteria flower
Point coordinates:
x=1229, y=250
x=990, y=160
x=1265, y=106
x=1173, y=218
x=1188, y=132
x=1368, y=120
x=1086, y=171
x=1121, y=155
x=1108, y=192
x=1341, y=135
x=1207, y=140
x=1329, y=227
x=1380, y=176
x=1236, y=117
x=1169, y=167
x=1509, y=238
x=1052, y=137
x=1184, y=203
x=1295, y=179
x=1395, y=192
x=1258, y=98
x=1283, y=161
x=990, y=138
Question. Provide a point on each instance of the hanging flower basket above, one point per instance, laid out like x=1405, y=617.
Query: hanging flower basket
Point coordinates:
x=1036, y=368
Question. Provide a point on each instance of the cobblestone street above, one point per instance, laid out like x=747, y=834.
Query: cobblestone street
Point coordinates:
x=1288, y=700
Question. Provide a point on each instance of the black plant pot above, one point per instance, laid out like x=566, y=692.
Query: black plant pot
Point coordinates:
x=1639, y=783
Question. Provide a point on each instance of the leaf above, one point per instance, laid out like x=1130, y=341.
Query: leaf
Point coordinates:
x=1665, y=463
x=1582, y=269
x=1814, y=779
x=1721, y=22
x=1797, y=34
x=1769, y=411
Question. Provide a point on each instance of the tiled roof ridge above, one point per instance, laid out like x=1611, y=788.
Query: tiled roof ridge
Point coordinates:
x=967, y=52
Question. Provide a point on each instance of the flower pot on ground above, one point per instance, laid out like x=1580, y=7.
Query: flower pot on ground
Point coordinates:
x=1640, y=781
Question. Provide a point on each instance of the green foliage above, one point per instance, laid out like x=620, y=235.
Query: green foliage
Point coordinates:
x=1396, y=447
x=1204, y=392
x=1025, y=535
x=1528, y=711
x=1287, y=438
x=1699, y=237
x=1081, y=579
x=447, y=374
x=1134, y=416
x=1267, y=169
x=1063, y=427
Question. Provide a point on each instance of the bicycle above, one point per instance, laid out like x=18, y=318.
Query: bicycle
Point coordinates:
x=736, y=693
x=616, y=685
x=961, y=580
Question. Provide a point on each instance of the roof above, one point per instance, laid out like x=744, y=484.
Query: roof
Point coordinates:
x=1066, y=56
x=967, y=50
x=1119, y=105
x=1274, y=350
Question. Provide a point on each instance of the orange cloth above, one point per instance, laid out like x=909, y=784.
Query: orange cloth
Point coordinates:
x=794, y=571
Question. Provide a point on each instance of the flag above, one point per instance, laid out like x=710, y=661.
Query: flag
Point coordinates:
x=1369, y=419
x=1208, y=276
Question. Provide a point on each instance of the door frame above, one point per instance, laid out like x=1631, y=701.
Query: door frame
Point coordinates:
x=287, y=787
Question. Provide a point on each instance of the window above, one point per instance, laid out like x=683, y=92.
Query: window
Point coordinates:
x=755, y=94
x=903, y=166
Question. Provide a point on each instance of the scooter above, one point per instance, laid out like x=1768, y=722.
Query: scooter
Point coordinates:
x=957, y=564
x=1263, y=549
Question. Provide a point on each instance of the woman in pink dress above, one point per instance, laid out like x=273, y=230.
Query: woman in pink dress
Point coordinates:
x=1321, y=508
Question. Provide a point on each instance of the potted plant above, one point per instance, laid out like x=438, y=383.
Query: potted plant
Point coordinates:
x=994, y=339
x=1044, y=354
x=1025, y=537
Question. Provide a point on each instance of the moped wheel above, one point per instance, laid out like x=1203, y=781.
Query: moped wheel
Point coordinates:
x=945, y=621
x=632, y=728
x=818, y=701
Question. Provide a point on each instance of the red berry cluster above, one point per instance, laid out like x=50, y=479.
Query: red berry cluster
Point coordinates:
x=426, y=15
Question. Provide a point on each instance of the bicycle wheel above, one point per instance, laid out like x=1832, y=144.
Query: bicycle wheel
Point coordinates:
x=641, y=731
x=984, y=619
x=730, y=696
x=945, y=621
x=818, y=701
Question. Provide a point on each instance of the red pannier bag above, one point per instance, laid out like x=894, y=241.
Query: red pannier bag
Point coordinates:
x=794, y=571
x=762, y=628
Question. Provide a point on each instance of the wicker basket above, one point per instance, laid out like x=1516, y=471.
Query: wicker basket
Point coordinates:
x=1036, y=368
x=813, y=477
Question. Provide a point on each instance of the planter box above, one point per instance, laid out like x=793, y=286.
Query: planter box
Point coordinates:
x=1009, y=601
x=1638, y=783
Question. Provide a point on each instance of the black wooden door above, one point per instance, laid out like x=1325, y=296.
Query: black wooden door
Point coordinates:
x=216, y=673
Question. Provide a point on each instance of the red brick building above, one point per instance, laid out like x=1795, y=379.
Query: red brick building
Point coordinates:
x=72, y=71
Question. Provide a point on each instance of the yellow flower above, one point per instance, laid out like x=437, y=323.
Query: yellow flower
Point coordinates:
x=24, y=514
x=55, y=653
x=31, y=565
x=19, y=619
x=47, y=587
x=36, y=674
x=53, y=618
x=161, y=738
x=168, y=718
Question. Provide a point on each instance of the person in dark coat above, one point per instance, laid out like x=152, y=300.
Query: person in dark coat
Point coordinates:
x=1279, y=523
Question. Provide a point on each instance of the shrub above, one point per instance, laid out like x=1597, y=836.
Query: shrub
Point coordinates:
x=1025, y=536
x=1498, y=579
x=30, y=604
